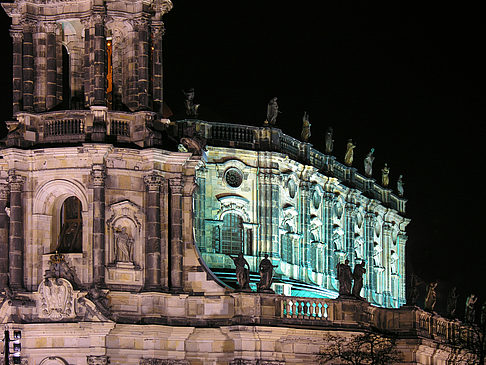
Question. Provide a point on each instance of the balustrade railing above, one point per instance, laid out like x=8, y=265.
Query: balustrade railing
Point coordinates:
x=305, y=308
x=232, y=133
x=120, y=128
x=63, y=127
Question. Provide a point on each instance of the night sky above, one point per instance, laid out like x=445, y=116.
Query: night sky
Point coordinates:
x=405, y=78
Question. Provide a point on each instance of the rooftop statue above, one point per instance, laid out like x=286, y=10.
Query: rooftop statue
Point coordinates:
x=266, y=274
x=431, y=297
x=470, y=312
x=272, y=112
x=359, y=270
x=400, y=184
x=452, y=303
x=191, y=108
x=242, y=273
x=329, y=141
x=368, y=163
x=415, y=283
x=345, y=278
x=306, y=131
x=349, y=156
x=385, y=178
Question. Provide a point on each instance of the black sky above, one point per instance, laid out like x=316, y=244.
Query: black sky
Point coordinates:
x=404, y=77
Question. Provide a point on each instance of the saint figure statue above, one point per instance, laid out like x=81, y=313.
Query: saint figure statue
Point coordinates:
x=123, y=245
x=368, y=163
x=385, y=178
x=470, y=312
x=272, y=112
x=400, y=185
x=452, y=303
x=266, y=274
x=431, y=297
x=359, y=270
x=191, y=108
x=348, y=157
x=329, y=141
x=242, y=273
x=306, y=131
x=344, y=277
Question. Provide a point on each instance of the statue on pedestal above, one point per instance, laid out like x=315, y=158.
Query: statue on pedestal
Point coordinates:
x=400, y=185
x=306, y=131
x=266, y=274
x=452, y=303
x=470, y=312
x=349, y=156
x=345, y=278
x=123, y=245
x=368, y=163
x=385, y=178
x=191, y=108
x=272, y=112
x=329, y=141
x=242, y=273
x=359, y=270
x=431, y=297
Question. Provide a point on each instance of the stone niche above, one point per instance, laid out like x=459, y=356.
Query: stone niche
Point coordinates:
x=124, y=250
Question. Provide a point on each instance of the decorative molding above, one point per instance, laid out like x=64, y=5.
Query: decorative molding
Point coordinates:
x=56, y=299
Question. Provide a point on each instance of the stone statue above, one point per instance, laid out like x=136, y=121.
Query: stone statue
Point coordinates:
x=452, y=303
x=415, y=283
x=329, y=141
x=470, y=312
x=368, y=163
x=359, y=270
x=242, y=273
x=68, y=238
x=272, y=112
x=123, y=245
x=345, y=278
x=191, y=108
x=431, y=297
x=266, y=274
x=400, y=184
x=348, y=157
x=306, y=131
x=385, y=179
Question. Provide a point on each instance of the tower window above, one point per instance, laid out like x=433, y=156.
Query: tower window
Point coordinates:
x=71, y=222
x=232, y=234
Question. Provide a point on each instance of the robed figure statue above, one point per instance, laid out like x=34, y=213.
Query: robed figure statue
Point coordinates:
x=344, y=277
x=266, y=274
x=242, y=273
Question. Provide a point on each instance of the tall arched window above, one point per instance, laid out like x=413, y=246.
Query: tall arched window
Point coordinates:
x=71, y=223
x=232, y=234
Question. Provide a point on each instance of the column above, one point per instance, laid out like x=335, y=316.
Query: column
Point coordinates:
x=98, y=176
x=17, y=37
x=4, y=192
x=157, y=95
x=176, y=234
x=402, y=242
x=40, y=67
x=28, y=70
x=164, y=237
x=305, y=223
x=369, y=233
x=51, y=66
x=349, y=224
x=99, y=43
x=152, y=232
x=143, y=64
x=16, y=237
x=329, y=199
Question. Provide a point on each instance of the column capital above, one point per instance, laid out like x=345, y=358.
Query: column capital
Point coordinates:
x=15, y=181
x=17, y=35
x=98, y=174
x=153, y=181
x=176, y=186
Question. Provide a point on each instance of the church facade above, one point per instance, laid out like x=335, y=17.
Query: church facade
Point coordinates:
x=114, y=243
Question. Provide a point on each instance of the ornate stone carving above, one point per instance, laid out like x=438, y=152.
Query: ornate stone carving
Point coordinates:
x=233, y=177
x=153, y=181
x=56, y=300
x=97, y=360
x=98, y=174
x=53, y=360
x=15, y=181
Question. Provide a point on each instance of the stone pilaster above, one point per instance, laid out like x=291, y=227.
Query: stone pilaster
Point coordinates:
x=369, y=231
x=176, y=234
x=99, y=45
x=349, y=224
x=329, y=200
x=17, y=37
x=28, y=69
x=16, y=236
x=144, y=45
x=40, y=67
x=4, y=222
x=305, y=224
x=98, y=360
x=98, y=176
x=157, y=94
x=152, y=232
x=164, y=237
x=51, y=66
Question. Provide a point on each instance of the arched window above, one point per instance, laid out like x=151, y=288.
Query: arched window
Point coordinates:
x=232, y=234
x=71, y=223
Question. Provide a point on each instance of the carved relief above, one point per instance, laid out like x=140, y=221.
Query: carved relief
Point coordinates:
x=56, y=300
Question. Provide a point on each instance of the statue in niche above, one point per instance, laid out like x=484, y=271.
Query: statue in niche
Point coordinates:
x=266, y=274
x=242, y=273
x=329, y=142
x=337, y=238
x=393, y=262
x=368, y=163
x=306, y=131
x=400, y=185
x=470, y=312
x=272, y=112
x=431, y=298
x=452, y=303
x=123, y=245
x=345, y=278
x=349, y=156
x=191, y=108
x=358, y=247
x=377, y=260
x=359, y=270
x=385, y=176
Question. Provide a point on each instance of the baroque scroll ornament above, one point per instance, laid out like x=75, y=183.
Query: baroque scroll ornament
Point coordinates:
x=56, y=299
